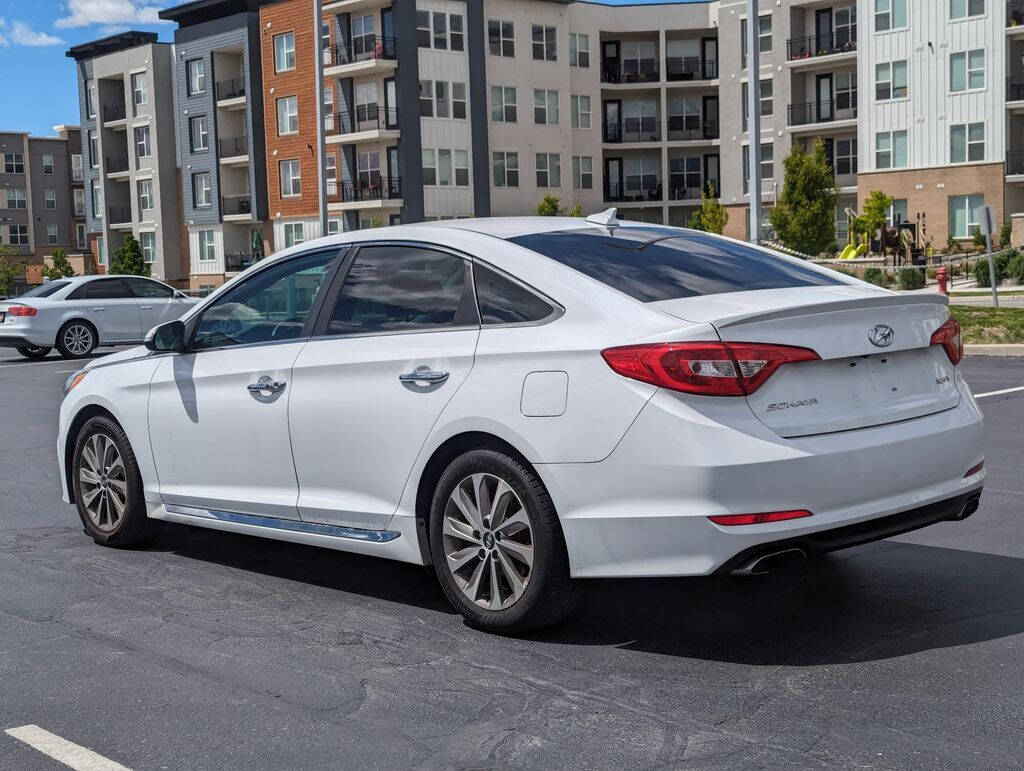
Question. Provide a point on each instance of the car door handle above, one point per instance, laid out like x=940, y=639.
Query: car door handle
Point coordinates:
x=145, y=307
x=99, y=310
x=424, y=376
x=266, y=385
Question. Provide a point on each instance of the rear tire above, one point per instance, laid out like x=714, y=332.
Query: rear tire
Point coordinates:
x=33, y=352
x=108, y=486
x=497, y=545
x=77, y=339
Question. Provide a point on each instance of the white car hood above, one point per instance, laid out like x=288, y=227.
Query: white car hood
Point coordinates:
x=114, y=358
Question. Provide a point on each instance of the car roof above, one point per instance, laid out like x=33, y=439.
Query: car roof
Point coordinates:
x=85, y=279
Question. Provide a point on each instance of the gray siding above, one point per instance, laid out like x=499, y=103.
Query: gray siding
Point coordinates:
x=60, y=182
x=407, y=86
x=15, y=143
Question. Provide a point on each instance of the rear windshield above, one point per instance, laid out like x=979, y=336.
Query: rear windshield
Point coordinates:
x=651, y=264
x=45, y=290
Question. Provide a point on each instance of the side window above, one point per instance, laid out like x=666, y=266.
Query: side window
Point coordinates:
x=503, y=301
x=393, y=287
x=145, y=288
x=271, y=305
x=107, y=289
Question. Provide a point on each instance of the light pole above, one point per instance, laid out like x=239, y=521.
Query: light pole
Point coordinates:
x=754, y=121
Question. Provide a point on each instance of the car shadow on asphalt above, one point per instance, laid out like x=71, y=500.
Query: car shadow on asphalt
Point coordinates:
x=864, y=604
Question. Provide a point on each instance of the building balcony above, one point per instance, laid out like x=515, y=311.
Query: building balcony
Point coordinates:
x=114, y=112
x=633, y=130
x=1015, y=163
x=632, y=71
x=236, y=206
x=362, y=52
x=1014, y=90
x=1015, y=14
x=690, y=128
x=116, y=164
x=689, y=193
x=77, y=176
x=649, y=191
x=374, y=191
x=119, y=216
x=233, y=147
x=367, y=121
x=801, y=48
x=238, y=261
x=690, y=68
x=824, y=111
x=230, y=89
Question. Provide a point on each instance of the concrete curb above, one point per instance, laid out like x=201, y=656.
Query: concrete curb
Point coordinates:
x=994, y=349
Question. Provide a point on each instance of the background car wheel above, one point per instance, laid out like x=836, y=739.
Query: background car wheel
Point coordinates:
x=497, y=545
x=76, y=339
x=108, y=487
x=33, y=352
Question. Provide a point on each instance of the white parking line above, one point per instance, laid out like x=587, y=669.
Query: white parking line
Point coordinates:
x=63, y=751
x=999, y=393
x=8, y=363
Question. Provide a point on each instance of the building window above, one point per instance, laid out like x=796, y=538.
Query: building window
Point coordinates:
x=81, y=239
x=17, y=235
x=97, y=200
x=459, y=100
x=580, y=111
x=291, y=179
x=423, y=29
x=891, y=149
x=891, y=80
x=890, y=14
x=579, y=49
x=767, y=101
x=294, y=233
x=366, y=102
x=440, y=31
x=764, y=37
x=284, y=52
x=140, y=90
x=79, y=202
x=967, y=70
x=17, y=199
x=503, y=104
x=207, y=246
x=429, y=167
x=898, y=211
x=50, y=198
x=846, y=156
x=94, y=150
x=196, y=70
x=143, y=149
x=506, y=169
x=198, y=133
x=90, y=99
x=145, y=194
x=449, y=167
x=549, y=170
x=48, y=163
x=767, y=164
x=148, y=243
x=501, y=38
x=582, y=172
x=287, y=115
x=364, y=36
x=442, y=108
x=426, y=99
x=963, y=9
x=966, y=142
x=965, y=214
x=461, y=168
x=444, y=168
x=51, y=235
x=333, y=226
x=641, y=175
x=14, y=163
x=201, y=188
x=545, y=43
x=455, y=31
x=329, y=106
x=368, y=169
x=545, y=107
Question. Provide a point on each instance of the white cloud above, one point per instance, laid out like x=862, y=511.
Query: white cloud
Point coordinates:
x=82, y=13
x=21, y=34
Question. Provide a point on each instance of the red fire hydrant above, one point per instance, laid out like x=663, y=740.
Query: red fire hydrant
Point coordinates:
x=942, y=276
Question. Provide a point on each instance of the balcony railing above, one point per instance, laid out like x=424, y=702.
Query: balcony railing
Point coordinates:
x=616, y=191
x=113, y=112
x=79, y=209
x=1014, y=90
x=633, y=130
x=633, y=71
x=235, y=204
x=375, y=188
x=691, y=128
x=825, y=111
x=840, y=42
x=1015, y=162
x=231, y=89
x=690, y=68
x=117, y=163
x=232, y=147
x=359, y=49
x=688, y=193
x=117, y=215
x=236, y=261
x=366, y=117
x=1015, y=13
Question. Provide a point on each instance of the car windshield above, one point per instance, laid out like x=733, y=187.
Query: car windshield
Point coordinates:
x=45, y=290
x=651, y=264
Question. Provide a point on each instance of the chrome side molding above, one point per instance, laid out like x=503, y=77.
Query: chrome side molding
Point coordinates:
x=292, y=525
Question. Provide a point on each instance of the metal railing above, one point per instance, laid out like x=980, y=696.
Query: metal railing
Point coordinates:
x=617, y=191
x=235, y=261
x=690, y=68
x=116, y=164
x=361, y=48
x=235, y=204
x=231, y=147
x=365, y=117
x=840, y=42
x=114, y=112
x=824, y=111
x=633, y=130
x=230, y=89
x=376, y=188
x=1015, y=13
x=1014, y=90
x=690, y=128
x=634, y=71
x=119, y=215
x=1015, y=162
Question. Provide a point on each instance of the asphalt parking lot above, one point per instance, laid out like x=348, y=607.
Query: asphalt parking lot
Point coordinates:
x=212, y=650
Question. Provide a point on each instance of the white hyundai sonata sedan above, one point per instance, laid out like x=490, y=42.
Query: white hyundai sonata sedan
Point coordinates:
x=523, y=402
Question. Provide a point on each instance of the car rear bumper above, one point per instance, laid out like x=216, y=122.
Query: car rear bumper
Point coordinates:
x=19, y=341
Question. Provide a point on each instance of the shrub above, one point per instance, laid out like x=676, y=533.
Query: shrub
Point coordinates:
x=981, y=274
x=911, y=278
x=875, y=276
x=1014, y=269
x=1005, y=235
x=932, y=273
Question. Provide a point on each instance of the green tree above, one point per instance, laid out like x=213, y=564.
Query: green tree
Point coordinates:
x=60, y=266
x=1005, y=235
x=874, y=214
x=711, y=217
x=804, y=216
x=128, y=259
x=551, y=206
x=9, y=269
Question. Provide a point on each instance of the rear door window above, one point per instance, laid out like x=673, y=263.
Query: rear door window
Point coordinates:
x=652, y=264
x=143, y=287
x=107, y=289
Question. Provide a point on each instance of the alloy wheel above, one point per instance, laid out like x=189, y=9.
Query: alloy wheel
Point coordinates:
x=104, y=486
x=488, y=541
x=78, y=339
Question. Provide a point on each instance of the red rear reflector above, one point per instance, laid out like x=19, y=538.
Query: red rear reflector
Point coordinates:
x=708, y=368
x=758, y=519
x=974, y=470
x=949, y=337
x=21, y=310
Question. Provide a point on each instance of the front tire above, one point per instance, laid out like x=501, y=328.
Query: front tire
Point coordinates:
x=108, y=486
x=77, y=339
x=497, y=545
x=33, y=352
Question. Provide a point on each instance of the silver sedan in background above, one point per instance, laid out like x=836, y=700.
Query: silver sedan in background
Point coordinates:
x=75, y=315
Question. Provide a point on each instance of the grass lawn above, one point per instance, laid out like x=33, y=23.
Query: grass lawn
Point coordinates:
x=990, y=325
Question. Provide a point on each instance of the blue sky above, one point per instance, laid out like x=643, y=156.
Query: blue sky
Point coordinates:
x=41, y=91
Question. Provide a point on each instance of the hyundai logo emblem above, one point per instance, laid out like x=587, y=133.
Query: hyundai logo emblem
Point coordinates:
x=881, y=335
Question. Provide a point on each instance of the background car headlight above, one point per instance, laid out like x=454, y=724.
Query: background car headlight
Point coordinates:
x=74, y=379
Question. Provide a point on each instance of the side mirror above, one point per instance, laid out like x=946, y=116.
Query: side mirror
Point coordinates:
x=180, y=295
x=166, y=337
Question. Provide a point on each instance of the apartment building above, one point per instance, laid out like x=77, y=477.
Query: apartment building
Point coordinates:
x=220, y=136
x=127, y=106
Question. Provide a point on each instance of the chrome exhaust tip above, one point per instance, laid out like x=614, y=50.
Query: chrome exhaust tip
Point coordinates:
x=771, y=561
x=970, y=506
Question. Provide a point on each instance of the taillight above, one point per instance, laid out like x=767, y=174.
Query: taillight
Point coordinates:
x=974, y=470
x=21, y=310
x=707, y=368
x=949, y=337
x=758, y=519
